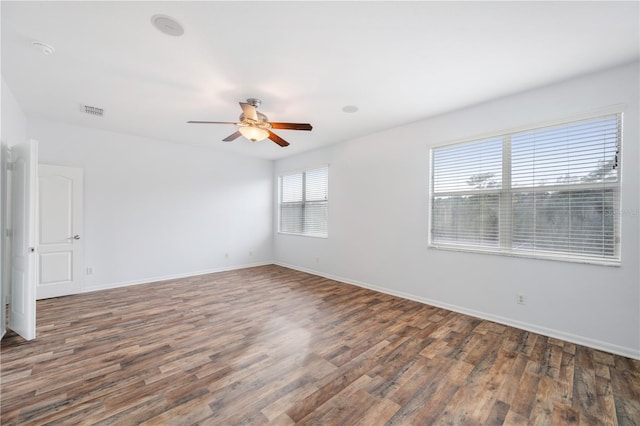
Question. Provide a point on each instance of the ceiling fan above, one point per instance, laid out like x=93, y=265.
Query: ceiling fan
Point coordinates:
x=255, y=126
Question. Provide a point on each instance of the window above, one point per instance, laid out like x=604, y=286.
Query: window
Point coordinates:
x=303, y=202
x=550, y=192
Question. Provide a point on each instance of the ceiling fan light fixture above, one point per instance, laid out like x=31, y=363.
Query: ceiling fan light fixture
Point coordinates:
x=254, y=134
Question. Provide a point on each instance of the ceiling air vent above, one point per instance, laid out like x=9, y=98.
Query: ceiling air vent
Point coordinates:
x=91, y=110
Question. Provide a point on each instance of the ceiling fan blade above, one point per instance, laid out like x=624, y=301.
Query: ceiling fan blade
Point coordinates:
x=232, y=136
x=212, y=122
x=291, y=126
x=249, y=111
x=277, y=139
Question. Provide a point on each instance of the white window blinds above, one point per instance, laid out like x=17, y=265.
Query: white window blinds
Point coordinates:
x=466, y=187
x=303, y=202
x=548, y=192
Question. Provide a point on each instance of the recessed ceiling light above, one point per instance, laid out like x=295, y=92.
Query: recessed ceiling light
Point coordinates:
x=167, y=25
x=350, y=109
x=45, y=48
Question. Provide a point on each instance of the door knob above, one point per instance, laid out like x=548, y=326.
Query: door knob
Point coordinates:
x=76, y=237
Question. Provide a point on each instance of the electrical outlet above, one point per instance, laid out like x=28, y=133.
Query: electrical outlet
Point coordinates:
x=520, y=299
x=226, y=255
x=317, y=260
x=250, y=253
x=89, y=270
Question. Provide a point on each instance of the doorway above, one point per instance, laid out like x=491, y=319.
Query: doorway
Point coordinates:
x=60, y=244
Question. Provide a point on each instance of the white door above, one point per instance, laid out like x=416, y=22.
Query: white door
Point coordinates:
x=60, y=254
x=24, y=161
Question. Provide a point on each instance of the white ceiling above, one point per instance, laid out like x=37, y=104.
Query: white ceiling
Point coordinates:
x=397, y=61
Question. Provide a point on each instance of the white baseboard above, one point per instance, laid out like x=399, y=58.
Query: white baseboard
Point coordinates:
x=557, y=334
x=171, y=277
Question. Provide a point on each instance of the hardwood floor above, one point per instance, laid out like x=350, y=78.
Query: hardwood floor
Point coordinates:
x=270, y=345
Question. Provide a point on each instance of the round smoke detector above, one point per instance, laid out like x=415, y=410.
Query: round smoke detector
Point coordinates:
x=45, y=48
x=167, y=25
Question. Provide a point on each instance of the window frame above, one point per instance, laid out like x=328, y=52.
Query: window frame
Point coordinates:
x=505, y=226
x=304, y=202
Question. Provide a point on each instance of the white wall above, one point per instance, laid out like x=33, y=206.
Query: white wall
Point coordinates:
x=13, y=129
x=154, y=209
x=13, y=121
x=378, y=219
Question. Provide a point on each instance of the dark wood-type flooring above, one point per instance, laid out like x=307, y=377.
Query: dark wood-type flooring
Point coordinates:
x=269, y=345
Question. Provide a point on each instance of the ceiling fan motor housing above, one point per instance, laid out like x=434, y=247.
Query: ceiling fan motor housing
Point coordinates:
x=254, y=102
x=263, y=121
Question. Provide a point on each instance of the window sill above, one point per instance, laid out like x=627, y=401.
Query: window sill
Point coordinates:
x=324, y=237
x=554, y=257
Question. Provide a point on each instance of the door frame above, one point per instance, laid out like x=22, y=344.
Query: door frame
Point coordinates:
x=4, y=239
